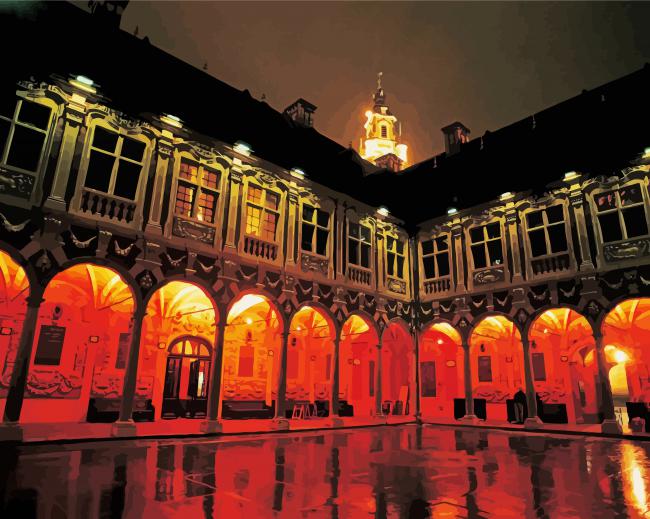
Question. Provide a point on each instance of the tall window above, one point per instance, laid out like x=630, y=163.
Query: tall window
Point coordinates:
x=435, y=257
x=197, y=192
x=384, y=131
x=262, y=212
x=359, y=245
x=23, y=132
x=621, y=213
x=547, y=231
x=487, y=249
x=315, y=230
x=395, y=257
x=115, y=164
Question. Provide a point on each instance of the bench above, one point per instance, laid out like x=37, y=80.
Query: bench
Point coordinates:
x=242, y=409
x=638, y=410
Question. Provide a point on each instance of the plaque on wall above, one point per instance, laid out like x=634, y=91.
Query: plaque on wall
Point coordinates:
x=539, y=370
x=428, y=373
x=484, y=368
x=50, y=345
x=122, y=348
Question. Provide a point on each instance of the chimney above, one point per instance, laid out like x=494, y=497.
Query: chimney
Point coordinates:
x=455, y=135
x=301, y=112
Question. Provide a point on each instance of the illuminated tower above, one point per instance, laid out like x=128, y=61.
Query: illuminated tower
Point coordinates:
x=381, y=145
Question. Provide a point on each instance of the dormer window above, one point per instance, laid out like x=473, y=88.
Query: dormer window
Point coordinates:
x=395, y=257
x=435, y=257
x=197, y=192
x=547, y=231
x=315, y=230
x=621, y=213
x=262, y=212
x=486, y=245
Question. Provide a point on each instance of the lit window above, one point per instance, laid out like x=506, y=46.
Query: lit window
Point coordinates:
x=487, y=249
x=359, y=245
x=621, y=213
x=315, y=230
x=384, y=131
x=115, y=164
x=395, y=257
x=546, y=231
x=435, y=257
x=197, y=192
x=262, y=212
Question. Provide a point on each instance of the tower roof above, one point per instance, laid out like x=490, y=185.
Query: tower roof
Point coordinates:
x=379, y=97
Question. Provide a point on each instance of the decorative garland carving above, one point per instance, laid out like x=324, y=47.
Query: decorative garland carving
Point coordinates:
x=13, y=227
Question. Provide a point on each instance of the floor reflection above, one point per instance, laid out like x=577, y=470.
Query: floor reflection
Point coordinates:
x=389, y=472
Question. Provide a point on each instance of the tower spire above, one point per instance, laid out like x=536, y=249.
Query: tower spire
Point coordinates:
x=379, y=80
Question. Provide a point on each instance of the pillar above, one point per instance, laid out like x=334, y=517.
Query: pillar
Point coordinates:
x=469, y=397
x=334, y=396
x=280, y=421
x=610, y=425
x=211, y=423
x=532, y=421
x=417, y=412
x=378, y=382
x=163, y=157
x=18, y=379
x=124, y=425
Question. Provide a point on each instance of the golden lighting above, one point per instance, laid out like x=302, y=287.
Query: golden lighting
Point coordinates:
x=620, y=356
x=613, y=354
x=246, y=302
x=84, y=83
x=448, y=330
x=14, y=279
x=355, y=325
x=634, y=463
x=171, y=120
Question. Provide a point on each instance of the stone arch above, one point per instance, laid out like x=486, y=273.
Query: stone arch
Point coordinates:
x=398, y=367
x=325, y=312
x=366, y=317
x=24, y=264
x=270, y=298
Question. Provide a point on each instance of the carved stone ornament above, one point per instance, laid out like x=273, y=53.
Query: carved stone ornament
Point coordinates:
x=146, y=280
x=396, y=285
x=13, y=227
x=487, y=276
x=16, y=184
x=193, y=230
x=627, y=250
x=593, y=308
x=522, y=315
x=122, y=251
x=308, y=262
x=43, y=262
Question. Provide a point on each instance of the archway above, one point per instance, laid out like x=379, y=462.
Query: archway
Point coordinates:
x=175, y=353
x=497, y=362
x=81, y=345
x=358, y=367
x=251, y=356
x=441, y=370
x=396, y=364
x=14, y=289
x=626, y=335
x=564, y=374
x=309, y=360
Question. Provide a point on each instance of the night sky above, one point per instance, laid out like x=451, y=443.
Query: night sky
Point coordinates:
x=484, y=64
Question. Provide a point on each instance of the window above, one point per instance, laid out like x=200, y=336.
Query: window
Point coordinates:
x=359, y=245
x=435, y=257
x=384, y=131
x=487, y=250
x=115, y=164
x=262, y=212
x=23, y=132
x=197, y=192
x=395, y=257
x=546, y=231
x=621, y=213
x=315, y=230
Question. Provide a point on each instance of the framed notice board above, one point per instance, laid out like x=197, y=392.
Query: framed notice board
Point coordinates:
x=428, y=373
x=484, y=368
x=50, y=345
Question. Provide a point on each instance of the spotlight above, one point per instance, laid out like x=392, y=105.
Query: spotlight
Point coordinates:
x=6, y=330
x=243, y=148
x=93, y=339
x=249, y=320
x=162, y=345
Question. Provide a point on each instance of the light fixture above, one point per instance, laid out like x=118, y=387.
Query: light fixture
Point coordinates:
x=383, y=211
x=298, y=328
x=564, y=358
x=440, y=341
x=450, y=363
x=171, y=120
x=571, y=175
x=646, y=152
x=270, y=353
x=452, y=210
x=297, y=173
x=243, y=148
x=249, y=320
x=6, y=330
x=356, y=362
x=93, y=339
x=620, y=356
x=545, y=330
x=507, y=195
x=83, y=83
x=162, y=345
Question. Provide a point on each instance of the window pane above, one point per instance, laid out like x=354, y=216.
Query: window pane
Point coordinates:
x=399, y=247
x=535, y=219
x=323, y=218
x=493, y=230
x=26, y=148
x=365, y=233
x=429, y=267
x=353, y=252
x=210, y=179
x=353, y=229
x=8, y=101
x=253, y=220
x=207, y=204
x=443, y=264
x=365, y=255
x=104, y=139
x=321, y=241
x=427, y=247
x=610, y=227
x=495, y=251
x=126, y=183
x=308, y=213
x=606, y=201
x=537, y=243
x=269, y=226
x=400, y=267
x=390, y=263
x=188, y=172
x=476, y=234
x=100, y=167
x=307, y=237
x=557, y=237
x=132, y=149
x=478, y=253
x=442, y=242
x=254, y=194
x=635, y=222
x=272, y=200
x=555, y=214
x=35, y=114
x=631, y=195
x=390, y=243
x=184, y=199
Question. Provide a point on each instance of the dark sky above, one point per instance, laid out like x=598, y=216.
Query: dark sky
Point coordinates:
x=485, y=64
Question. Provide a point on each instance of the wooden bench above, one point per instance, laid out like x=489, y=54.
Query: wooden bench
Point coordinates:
x=242, y=409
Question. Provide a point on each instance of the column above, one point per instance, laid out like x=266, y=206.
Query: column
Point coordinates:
x=576, y=197
x=280, y=420
x=378, y=382
x=532, y=421
x=513, y=234
x=163, y=155
x=18, y=380
x=334, y=396
x=211, y=423
x=459, y=269
x=469, y=397
x=124, y=425
x=610, y=424
x=291, y=226
x=234, y=199
x=416, y=354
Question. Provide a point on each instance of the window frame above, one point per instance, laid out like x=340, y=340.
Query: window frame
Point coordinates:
x=359, y=240
x=199, y=188
x=546, y=226
x=403, y=254
x=619, y=210
x=485, y=242
x=263, y=211
x=316, y=226
x=435, y=254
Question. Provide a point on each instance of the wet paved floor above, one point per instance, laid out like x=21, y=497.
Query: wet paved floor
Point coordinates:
x=381, y=472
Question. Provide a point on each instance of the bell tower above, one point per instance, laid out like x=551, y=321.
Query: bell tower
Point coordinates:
x=382, y=143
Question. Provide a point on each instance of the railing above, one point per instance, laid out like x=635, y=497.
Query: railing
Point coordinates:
x=550, y=264
x=107, y=207
x=359, y=275
x=260, y=249
x=435, y=286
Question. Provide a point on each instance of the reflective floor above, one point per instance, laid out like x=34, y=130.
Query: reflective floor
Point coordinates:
x=385, y=472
